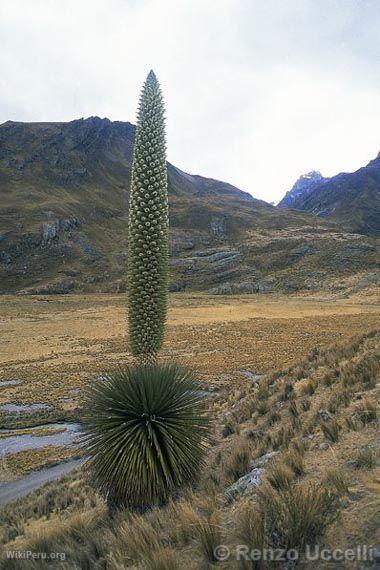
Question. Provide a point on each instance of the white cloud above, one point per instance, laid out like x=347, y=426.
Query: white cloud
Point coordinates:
x=257, y=92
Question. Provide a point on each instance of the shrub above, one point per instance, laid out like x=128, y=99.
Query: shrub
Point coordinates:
x=146, y=430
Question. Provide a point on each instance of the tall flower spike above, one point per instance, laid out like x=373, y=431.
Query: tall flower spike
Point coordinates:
x=148, y=240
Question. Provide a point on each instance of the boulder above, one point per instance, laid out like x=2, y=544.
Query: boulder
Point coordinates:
x=245, y=483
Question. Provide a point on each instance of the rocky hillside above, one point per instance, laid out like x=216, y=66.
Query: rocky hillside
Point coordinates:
x=63, y=221
x=352, y=198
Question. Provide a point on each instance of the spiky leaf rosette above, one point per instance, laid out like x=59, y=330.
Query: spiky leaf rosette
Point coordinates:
x=148, y=225
x=146, y=429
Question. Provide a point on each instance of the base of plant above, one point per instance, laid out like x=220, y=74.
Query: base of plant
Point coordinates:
x=146, y=429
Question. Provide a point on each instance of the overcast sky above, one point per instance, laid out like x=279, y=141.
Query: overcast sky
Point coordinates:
x=257, y=91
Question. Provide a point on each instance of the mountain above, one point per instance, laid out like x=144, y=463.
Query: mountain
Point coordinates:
x=63, y=221
x=352, y=198
x=302, y=188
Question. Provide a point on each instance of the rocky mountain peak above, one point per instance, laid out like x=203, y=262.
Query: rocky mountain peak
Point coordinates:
x=303, y=186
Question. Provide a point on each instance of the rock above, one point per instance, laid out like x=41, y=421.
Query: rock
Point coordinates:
x=265, y=286
x=248, y=287
x=251, y=376
x=176, y=287
x=376, y=553
x=325, y=415
x=263, y=459
x=59, y=288
x=5, y=258
x=301, y=250
x=245, y=483
x=218, y=227
x=49, y=230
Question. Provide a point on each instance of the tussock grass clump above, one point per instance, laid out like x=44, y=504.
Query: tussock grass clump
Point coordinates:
x=294, y=459
x=263, y=391
x=305, y=404
x=140, y=540
x=238, y=461
x=293, y=409
x=331, y=376
x=364, y=371
x=250, y=530
x=262, y=406
x=274, y=417
x=287, y=392
x=146, y=431
x=308, y=389
x=366, y=411
x=331, y=430
x=337, y=479
x=230, y=427
x=337, y=400
x=280, y=476
x=299, y=514
x=352, y=423
x=289, y=517
x=198, y=524
x=208, y=535
x=283, y=437
x=366, y=458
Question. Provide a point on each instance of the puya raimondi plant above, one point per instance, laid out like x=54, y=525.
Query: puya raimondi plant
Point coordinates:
x=147, y=426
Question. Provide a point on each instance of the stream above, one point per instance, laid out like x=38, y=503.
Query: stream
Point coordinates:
x=13, y=442
x=15, y=489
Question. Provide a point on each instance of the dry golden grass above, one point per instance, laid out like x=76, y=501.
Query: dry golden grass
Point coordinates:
x=57, y=343
x=278, y=414
x=22, y=462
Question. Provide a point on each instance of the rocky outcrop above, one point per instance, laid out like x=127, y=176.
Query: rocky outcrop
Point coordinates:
x=249, y=482
x=302, y=188
x=353, y=198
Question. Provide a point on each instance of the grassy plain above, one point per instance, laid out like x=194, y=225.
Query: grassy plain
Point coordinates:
x=55, y=343
x=315, y=408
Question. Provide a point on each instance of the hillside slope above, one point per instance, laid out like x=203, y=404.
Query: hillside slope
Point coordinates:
x=63, y=220
x=352, y=198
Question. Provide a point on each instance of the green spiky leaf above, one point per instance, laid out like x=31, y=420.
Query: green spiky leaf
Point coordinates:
x=147, y=428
